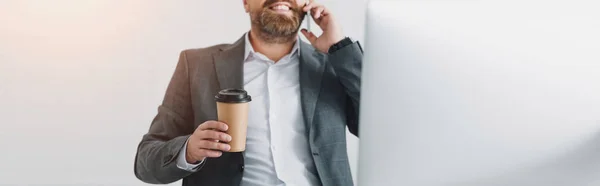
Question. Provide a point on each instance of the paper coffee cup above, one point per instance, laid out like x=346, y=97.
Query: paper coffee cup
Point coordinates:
x=232, y=109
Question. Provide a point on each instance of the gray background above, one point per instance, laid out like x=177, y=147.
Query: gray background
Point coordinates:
x=80, y=80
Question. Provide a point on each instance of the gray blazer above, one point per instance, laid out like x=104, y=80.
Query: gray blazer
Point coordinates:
x=330, y=92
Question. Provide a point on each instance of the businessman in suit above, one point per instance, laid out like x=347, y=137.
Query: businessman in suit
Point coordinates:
x=304, y=96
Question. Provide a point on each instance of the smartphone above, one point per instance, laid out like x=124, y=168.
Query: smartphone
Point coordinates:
x=308, y=17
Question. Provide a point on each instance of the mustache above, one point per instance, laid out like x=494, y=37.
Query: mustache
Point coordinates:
x=271, y=2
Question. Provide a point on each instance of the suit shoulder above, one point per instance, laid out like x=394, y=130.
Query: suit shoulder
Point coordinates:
x=199, y=53
x=201, y=58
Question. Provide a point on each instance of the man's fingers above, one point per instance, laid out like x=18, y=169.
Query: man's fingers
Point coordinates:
x=211, y=145
x=312, y=7
x=214, y=135
x=213, y=125
x=318, y=11
x=325, y=11
x=309, y=35
x=309, y=6
x=209, y=153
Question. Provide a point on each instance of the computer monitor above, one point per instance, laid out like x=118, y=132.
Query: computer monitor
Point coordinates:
x=480, y=93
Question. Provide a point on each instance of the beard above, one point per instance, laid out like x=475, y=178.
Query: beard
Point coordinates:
x=275, y=27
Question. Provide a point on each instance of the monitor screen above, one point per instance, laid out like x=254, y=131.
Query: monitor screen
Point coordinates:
x=480, y=93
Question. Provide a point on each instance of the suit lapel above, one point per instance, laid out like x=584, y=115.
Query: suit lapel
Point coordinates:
x=229, y=65
x=312, y=67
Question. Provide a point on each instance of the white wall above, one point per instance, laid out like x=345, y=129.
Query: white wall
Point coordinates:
x=80, y=80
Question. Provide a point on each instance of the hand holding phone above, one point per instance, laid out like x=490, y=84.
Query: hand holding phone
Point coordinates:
x=332, y=32
x=308, y=17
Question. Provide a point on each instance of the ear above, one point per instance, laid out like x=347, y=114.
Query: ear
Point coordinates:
x=246, y=6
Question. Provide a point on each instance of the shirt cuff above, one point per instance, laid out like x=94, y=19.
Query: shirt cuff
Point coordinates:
x=182, y=162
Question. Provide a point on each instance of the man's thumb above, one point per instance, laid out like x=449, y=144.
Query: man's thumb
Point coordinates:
x=310, y=36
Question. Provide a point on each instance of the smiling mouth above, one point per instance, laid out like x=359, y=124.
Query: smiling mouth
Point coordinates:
x=280, y=7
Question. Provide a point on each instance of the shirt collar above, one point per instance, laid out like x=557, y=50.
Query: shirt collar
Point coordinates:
x=249, y=50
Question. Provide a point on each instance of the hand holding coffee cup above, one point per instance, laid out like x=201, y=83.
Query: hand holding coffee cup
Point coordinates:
x=232, y=108
x=212, y=138
x=208, y=140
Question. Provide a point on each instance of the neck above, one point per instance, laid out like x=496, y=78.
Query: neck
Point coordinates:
x=273, y=50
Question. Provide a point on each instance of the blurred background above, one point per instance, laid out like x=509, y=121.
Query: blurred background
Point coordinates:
x=81, y=80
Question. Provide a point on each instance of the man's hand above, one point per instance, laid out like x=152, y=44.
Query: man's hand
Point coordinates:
x=332, y=32
x=205, y=141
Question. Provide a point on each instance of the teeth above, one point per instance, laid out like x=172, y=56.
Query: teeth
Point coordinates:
x=281, y=7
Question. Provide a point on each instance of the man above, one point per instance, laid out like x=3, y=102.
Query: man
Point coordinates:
x=303, y=98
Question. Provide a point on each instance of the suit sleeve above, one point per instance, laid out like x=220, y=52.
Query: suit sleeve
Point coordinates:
x=347, y=64
x=157, y=152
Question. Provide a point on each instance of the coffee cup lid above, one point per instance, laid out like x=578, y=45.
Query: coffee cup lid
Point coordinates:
x=233, y=96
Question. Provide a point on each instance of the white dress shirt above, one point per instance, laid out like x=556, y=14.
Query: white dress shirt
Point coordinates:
x=277, y=151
